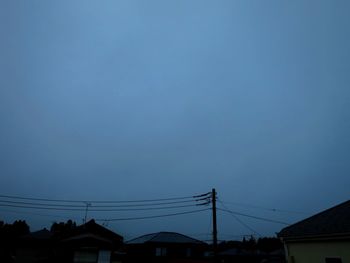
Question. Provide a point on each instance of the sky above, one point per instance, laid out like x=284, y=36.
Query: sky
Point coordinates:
x=130, y=100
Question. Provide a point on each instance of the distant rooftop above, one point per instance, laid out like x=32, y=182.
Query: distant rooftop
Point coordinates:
x=165, y=237
x=42, y=234
x=333, y=221
x=92, y=227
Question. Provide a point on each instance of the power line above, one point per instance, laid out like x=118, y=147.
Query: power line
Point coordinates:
x=255, y=217
x=39, y=204
x=156, y=216
x=100, y=201
x=36, y=214
x=265, y=208
x=145, y=209
x=81, y=208
x=102, y=206
x=97, y=206
x=240, y=221
x=151, y=204
x=208, y=194
x=43, y=208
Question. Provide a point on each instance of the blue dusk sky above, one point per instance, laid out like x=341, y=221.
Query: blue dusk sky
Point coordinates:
x=129, y=100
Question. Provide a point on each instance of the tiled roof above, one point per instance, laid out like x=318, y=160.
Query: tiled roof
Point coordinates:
x=92, y=227
x=86, y=236
x=165, y=237
x=333, y=221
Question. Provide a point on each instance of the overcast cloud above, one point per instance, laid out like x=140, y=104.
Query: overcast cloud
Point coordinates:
x=122, y=100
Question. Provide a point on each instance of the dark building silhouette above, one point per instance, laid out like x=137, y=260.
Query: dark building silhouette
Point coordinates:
x=89, y=242
x=324, y=237
x=165, y=247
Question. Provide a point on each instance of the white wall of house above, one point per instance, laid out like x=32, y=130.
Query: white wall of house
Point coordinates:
x=318, y=252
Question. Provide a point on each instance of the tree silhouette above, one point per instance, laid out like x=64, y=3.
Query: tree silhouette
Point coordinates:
x=9, y=235
x=14, y=230
x=62, y=228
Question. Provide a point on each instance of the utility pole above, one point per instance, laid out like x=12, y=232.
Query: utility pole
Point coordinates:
x=215, y=231
x=86, y=211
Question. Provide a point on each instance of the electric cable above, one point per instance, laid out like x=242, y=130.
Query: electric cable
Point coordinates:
x=99, y=206
x=266, y=208
x=99, y=201
x=149, y=217
x=255, y=217
x=36, y=214
x=94, y=209
x=239, y=220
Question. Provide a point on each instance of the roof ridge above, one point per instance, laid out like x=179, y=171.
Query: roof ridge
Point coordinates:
x=155, y=235
x=142, y=236
x=321, y=212
x=162, y=235
x=315, y=216
x=184, y=235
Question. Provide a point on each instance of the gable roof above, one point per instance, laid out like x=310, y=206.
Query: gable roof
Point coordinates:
x=87, y=236
x=94, y=228
x=333, y=221
x=165, y=237
x=91, y=229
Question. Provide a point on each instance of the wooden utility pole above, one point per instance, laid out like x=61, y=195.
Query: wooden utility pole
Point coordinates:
x=215, y=231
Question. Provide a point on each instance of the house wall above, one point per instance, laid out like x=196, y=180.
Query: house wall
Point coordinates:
x=317, y=252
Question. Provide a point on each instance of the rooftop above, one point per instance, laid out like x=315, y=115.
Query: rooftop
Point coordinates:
x=165, y=237
x=333, y=221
